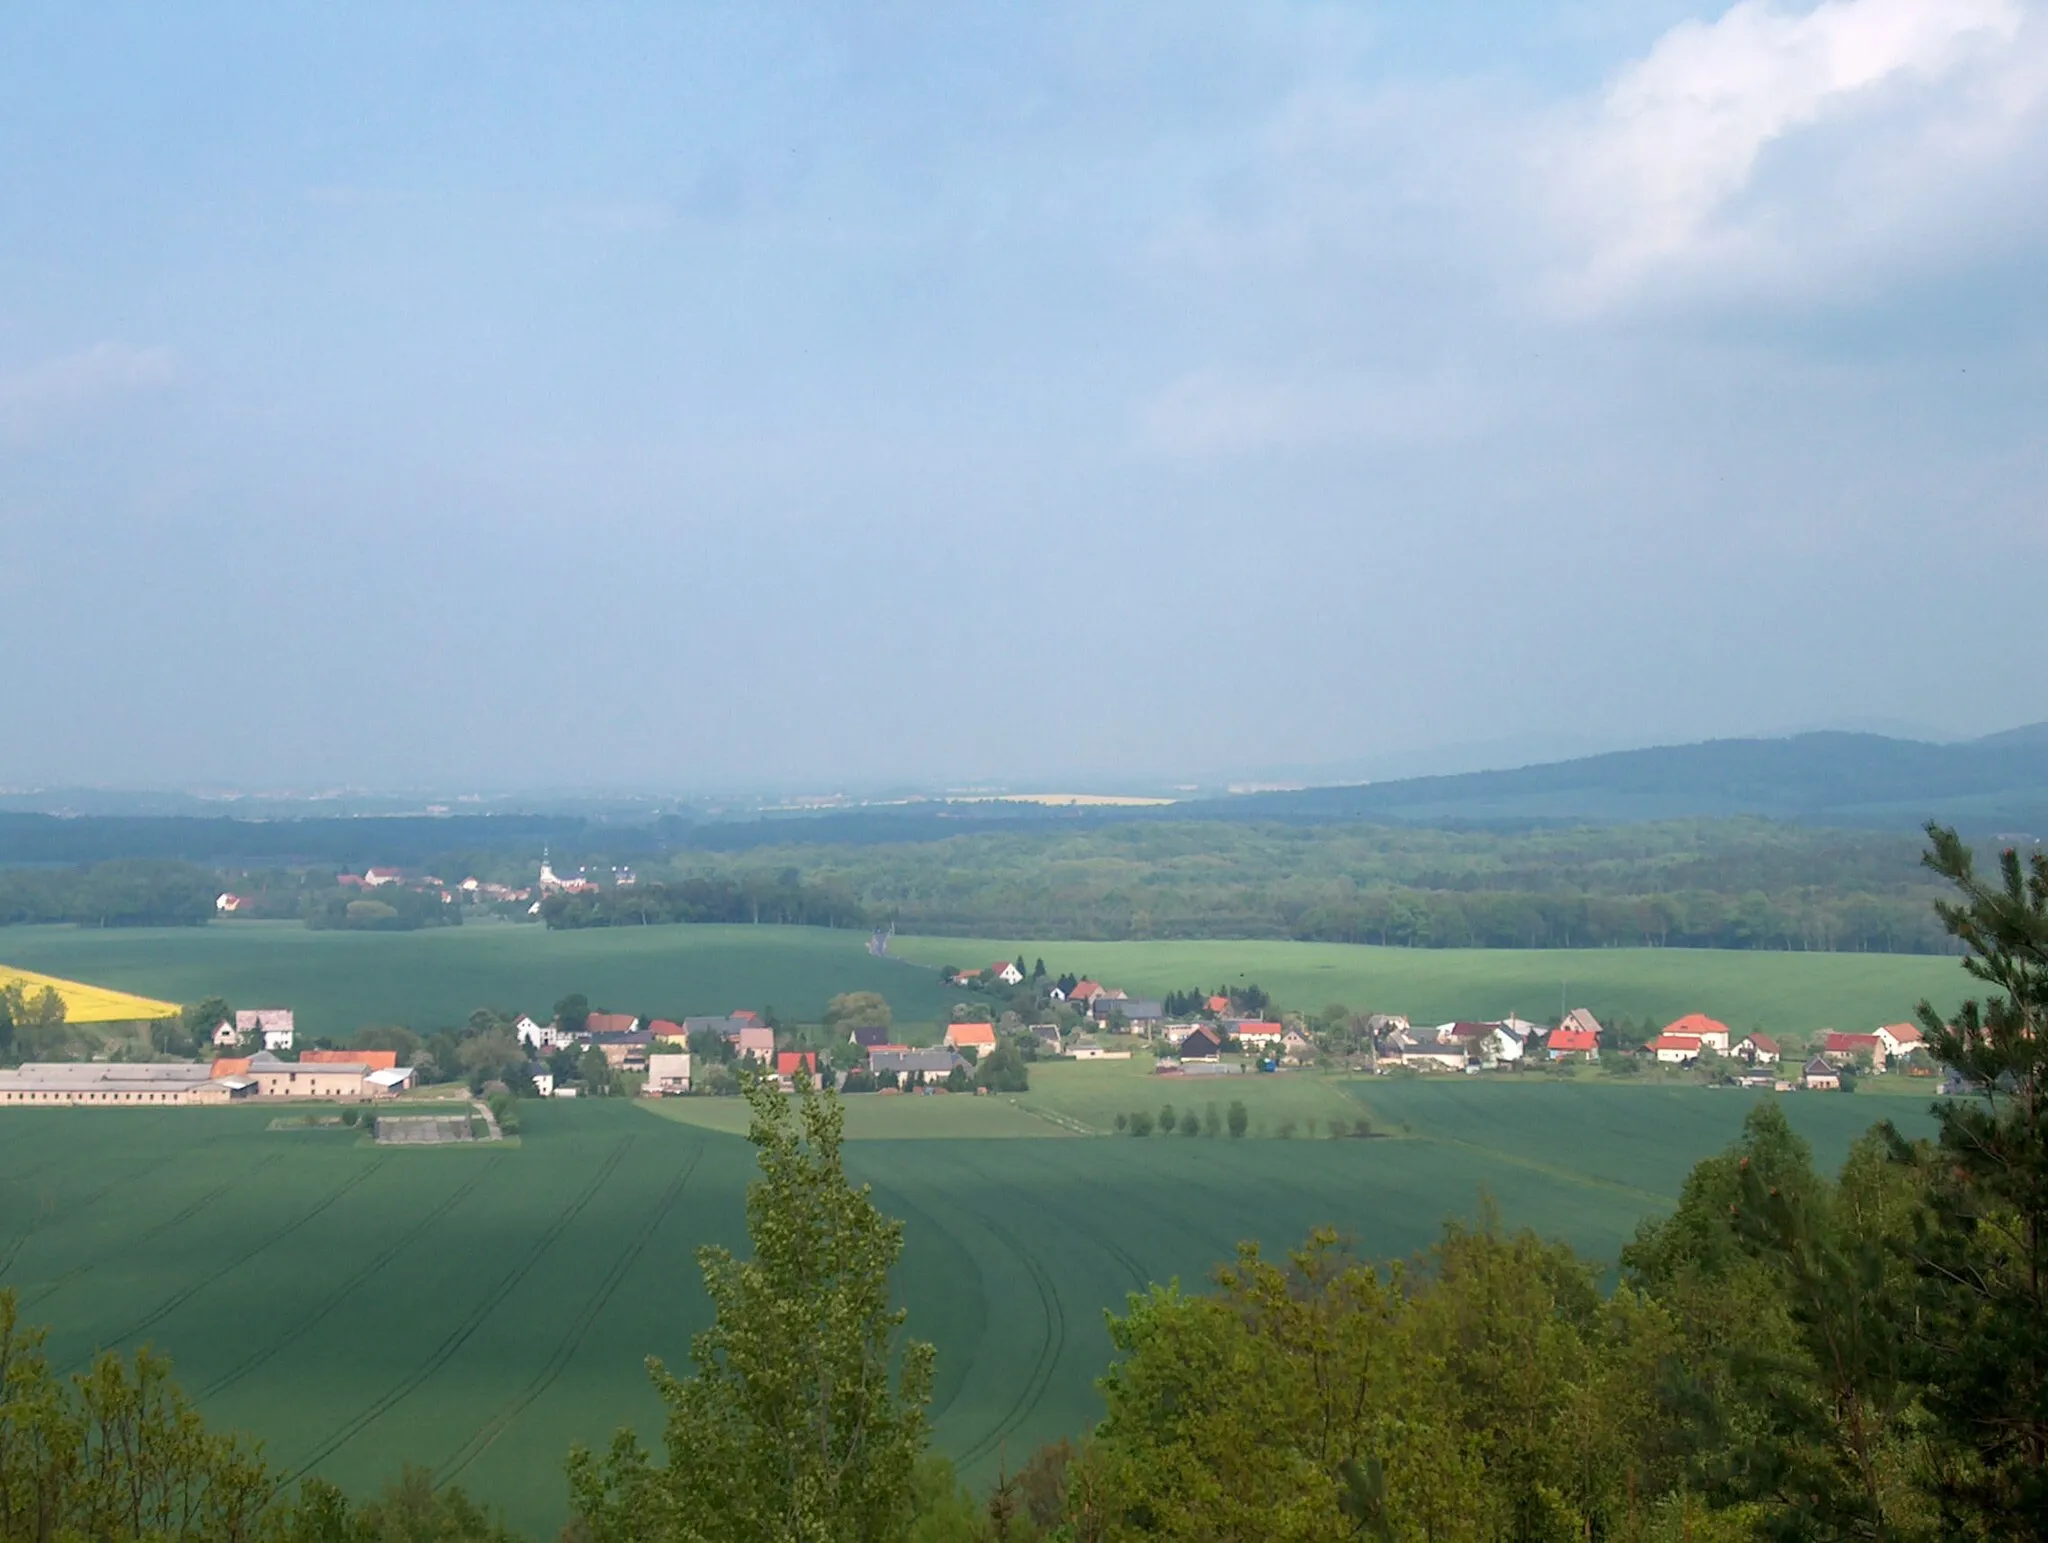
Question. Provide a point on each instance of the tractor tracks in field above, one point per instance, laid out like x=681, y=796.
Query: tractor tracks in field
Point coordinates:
x=178, y=1299
x=458, y=1336
x=565, y=1350
x=1050, y=1349
x=168, y=1224
x=335, y=1298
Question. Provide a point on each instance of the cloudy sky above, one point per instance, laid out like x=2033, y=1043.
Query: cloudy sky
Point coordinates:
x=681, y=395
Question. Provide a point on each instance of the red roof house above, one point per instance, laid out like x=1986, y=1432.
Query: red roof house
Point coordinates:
x=1564, y=1042
x=666, y=1029
x=376, y=1060
x=790, y=1062
x=1759, y=1048
x=1846, y=1047
x=1084, y=991
x=610, y=1023
x=1710, y=1032
x=1901, y=1038
x=1672, y=1049
x=1219, y=1004
x=981, y=1036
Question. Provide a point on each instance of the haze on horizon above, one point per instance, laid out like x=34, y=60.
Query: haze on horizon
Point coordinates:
x=546, y=395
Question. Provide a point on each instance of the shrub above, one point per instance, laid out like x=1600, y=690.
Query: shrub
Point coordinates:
x=1190, y=1123
x=1167, y=1118
x=1141, y=1123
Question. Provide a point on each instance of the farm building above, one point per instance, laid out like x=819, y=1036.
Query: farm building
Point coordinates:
x=119, y=1083
x=376, y=1060
x=1254, y=1033
x=936, y=1064
x=621, y=1047
x=1138, y=1012
x=1842, y=1049
x=1820, y=1075
x=1758, y=1049
x=1203, y=1044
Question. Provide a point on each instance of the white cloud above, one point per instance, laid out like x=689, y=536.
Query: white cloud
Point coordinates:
x=1666, y=171
x=37, y=401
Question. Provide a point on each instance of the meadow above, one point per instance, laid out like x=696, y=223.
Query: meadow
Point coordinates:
x=477, y=1309
x=1795, y=993
x=340, y=981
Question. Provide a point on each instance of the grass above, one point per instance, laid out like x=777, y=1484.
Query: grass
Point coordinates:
x=1792, y=993
x=361, y=1307
x=339, y=981
x=1094, y=1093
x=884, y=1117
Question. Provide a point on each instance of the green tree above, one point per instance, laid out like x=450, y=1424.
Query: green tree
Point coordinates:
x=790, y=1428
x=1190, y=1123
x=573, y=1012
x=1212, y=1122
x=33, y=1019
x=1238, y=1118
x=852, y=1010
x=198, y=1020
x=491, y=1057
x=1003, y=1070
x=1981, y=1255
x=1141, y=1123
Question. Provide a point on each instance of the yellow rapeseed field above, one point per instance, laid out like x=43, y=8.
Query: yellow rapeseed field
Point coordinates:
x=90, y=1004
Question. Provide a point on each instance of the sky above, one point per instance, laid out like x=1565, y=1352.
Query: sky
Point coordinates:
x=508, y=395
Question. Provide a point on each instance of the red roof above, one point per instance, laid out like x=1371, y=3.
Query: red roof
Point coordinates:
x=1084, y=990
x=385, y=873
x=744, y=1015
x=791, y=1061
x=1904, y=1033
x=1851, y=1043
x=1697, y=1024
x=971, y=1033
x=663, y=1028
x=1762, y=1042
x=609, y=1023
x=1676, y=1042
x=231, y=1066
x=376, y=1060
x=1573, y=1039
x=1219, y=1004
x=1257, y=1031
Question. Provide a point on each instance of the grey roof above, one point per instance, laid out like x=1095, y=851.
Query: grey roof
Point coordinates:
x=109, y=1075
x=1134, y=1009
x=868, y=1038
x=927, y=1061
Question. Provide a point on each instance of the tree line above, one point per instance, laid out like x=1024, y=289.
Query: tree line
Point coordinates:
x=781, y=899
x=131, y=892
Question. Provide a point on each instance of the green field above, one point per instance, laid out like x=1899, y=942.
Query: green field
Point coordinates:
x=340, y=981
x=477, y=1309
x=1794, y=993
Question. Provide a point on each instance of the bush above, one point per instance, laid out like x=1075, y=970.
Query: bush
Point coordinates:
x=1238, y=1118
x=1167, y=1118
x=1141, y=1123
x=1123, y=1122
x=1190, y=1123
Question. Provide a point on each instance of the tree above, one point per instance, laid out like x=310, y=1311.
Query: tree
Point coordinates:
x=572, y=1012
x=1190, y=1123
x=852, y=1010
x=1141, y=1123
x=1238, y=1118
x=789, y=1428
x=1981, y=1256
x=200, y=1019
x=1002, y=1070
x=1168, y=1120
x=34, y=1020
x=491, y=1057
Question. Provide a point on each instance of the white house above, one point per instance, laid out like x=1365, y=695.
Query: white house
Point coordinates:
x=225, y=1033
x=667, y=1074
x=543, y=1080
x=377, y=878
x=540, y=1036
x=1758, y=1049
x=274, y=1024
x=1008, y=973
x=1901, y=1038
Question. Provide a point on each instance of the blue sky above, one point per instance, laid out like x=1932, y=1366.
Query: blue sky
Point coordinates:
x=679, y=396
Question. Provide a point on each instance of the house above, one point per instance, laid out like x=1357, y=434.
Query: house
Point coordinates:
x=1141, y=1013
x=1217, y=1005
x=225, y=1033
x=755, y=1042
x=1084, y=992
x=1710, y=1032
x=667, y=1074
x=1050, y=1041
x=868, y=1039
x=1201, y=1044
x=1901, y=1039
x=744, y=1015
x=1565, y=1043
x=1007, y=972
x=1089, y=1050
x=541, y=1036
x=1758, y=1049
x=913, y=1063
x=1174, y=1033
x=979, y=1037
x=610, y=1023
x=1820, y=1076
x=625, y=1048
x=1579, y=1021
x=966, y=977
x=1503, y=1045
x=310, y=1079
x=273, y=1024
x=1429, y=1056
x=542, y=1079
x=1056, y=992
x=377, y=878
x=1843, y=1049
x=1676, y=1049
x=228, y=905
x=1297, y=1045
x=792, y=1064
x=1255, y=1033
x=667, y=1032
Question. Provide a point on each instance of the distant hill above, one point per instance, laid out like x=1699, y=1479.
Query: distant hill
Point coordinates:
x=1995, y=784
